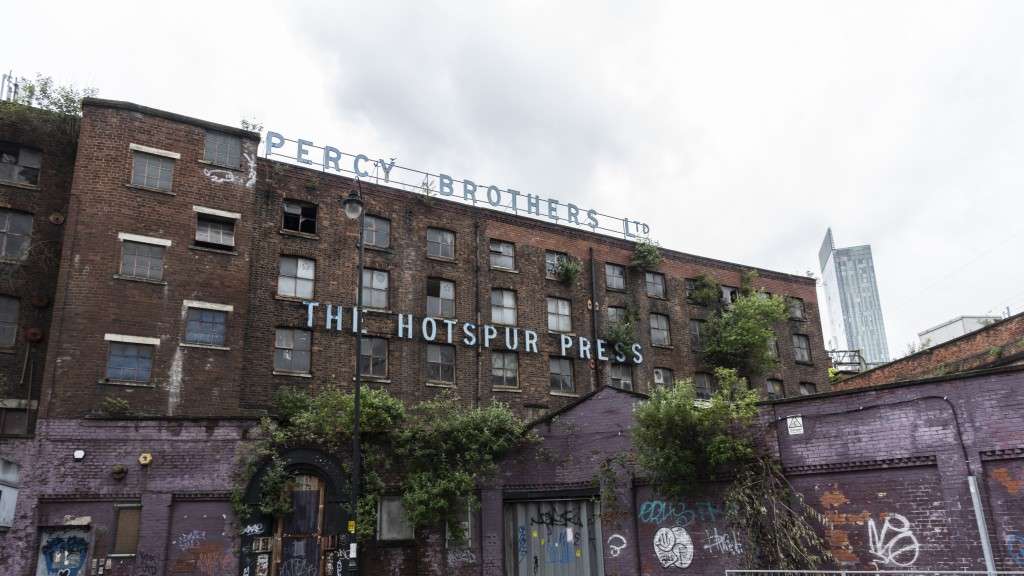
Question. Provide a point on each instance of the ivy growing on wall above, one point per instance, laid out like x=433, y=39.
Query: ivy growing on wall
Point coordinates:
x=646, y=255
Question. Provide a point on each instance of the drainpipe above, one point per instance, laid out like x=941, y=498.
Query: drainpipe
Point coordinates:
x=476, y=275
x=594, y=305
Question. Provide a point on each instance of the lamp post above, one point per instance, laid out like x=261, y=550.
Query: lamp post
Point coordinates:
x=353, y=205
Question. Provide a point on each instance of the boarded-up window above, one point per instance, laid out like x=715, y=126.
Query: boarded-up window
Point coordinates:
x=555, y=538
x=152, y=171
x=392, y=521
x=126, y=533
x=222, y=149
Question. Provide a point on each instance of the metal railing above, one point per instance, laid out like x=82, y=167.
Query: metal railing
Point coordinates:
x=873, y=572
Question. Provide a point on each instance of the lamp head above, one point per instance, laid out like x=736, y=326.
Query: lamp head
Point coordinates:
x=353, y=205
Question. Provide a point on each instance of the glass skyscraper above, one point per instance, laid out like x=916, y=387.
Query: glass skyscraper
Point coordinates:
x=851, y=293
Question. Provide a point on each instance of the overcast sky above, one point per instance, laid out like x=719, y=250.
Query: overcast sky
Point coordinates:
x=739, y=131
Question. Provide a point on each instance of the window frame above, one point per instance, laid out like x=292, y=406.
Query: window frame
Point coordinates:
x=149, y=246
x=770, y=388
x=697, y=334
x=224, y=312
x=293, y=349
x=371, y=292
x=505, y=354
x=443, y=367
x=220, y=139
x=213, y=219
x=297, y=278
x=557, y=315
x=514, y=308
x=804, y=388
x=798, y=304
x=501, y=254
x=154, y=160
x=551, y=273
x=138, y=344
x=20, y=165
x=116, y=532
x=440, y=300
x=648, y=277
x=667, y=330
x=445, y=233
x=698, y=388
x=609, y=268
x=370, y=223
x=371, y=341
x=797, y=348
x=562, y=361
x=663, y=371
x=407, y=533
x=609, y=314
x=11, y=325
x=7, y=216
x=620, y=366
x=302, y=206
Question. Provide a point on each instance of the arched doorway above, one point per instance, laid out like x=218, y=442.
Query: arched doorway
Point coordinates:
x=305, y=541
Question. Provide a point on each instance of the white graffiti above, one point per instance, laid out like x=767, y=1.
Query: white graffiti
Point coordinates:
x=297, y=567
x=673, y=547
x=895, y=545
x=190, y=540
x=463, y=556
x=616, y=542
x=252, y=530
x=218, y=176
x=722, y=543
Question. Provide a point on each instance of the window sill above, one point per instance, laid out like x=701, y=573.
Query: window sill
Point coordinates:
x=154, y=190
x=663, y=346
x=441, y=259
x=297, y=234
x=143, y=280
x=292, y=298
x=384, y=249
x=293, y=374
x=224, y=166
x=617, y=290
x=439, y=384
x=374, y=379
x=8, y=350
x=128, y=383
x=797, y=319
x=557, y=333
x=564, y=394
x=516, y=389
x=19, y=185
x=506, y=270
x=206, y=346
x=662, y=298
x=803, y=363
x=226, y=252
x=12, y=261
x=385, y=311
x=120, y=555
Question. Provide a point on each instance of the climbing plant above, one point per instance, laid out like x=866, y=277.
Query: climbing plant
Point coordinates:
x=704, y=292
x=646, y=255
x=681, y=443
x=741, y=336
x=568, y=270
x=623, y=331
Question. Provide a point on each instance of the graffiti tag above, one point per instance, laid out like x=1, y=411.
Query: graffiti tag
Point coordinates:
x=297, y=567
x=1015, y=548
x=463, y=556
x=895, y=544
x=566, y=517
x=190, y=540
x=523, y=543
x=678, y=513
x=673, y=547
x=252, y=530
x=616, y=542
x=722, y=543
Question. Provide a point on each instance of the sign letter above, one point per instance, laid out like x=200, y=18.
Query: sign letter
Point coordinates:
x=360, y=173
x=274, y=140
x=331, y=156
x=405, y=326
x=444, y=185
x=300, y=151
x=309, y=313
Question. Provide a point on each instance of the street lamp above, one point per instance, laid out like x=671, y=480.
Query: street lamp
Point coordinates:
x=353, y=205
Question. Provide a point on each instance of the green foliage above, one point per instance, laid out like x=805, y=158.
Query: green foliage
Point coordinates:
x=445, y=448
x=44, y=94
x=623, y=331
x=995, y=352
x=834, y=375
x=747, y=278
x=646, y=255
x=706, y=292
x=114, y=406
x=762, y=504
x=569, y=270
x=680, y=441
x=436, y=451
x=740, y=337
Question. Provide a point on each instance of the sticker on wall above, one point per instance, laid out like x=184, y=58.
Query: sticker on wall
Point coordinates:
x=673, y=547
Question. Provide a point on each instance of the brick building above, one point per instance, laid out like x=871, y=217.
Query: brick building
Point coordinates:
x=182, y=302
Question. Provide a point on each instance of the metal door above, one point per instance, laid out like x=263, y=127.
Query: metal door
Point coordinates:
x=553, y=538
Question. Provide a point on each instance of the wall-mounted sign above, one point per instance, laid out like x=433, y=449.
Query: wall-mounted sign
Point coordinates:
x=451, y=331
x=795, y=424
x=387, y=172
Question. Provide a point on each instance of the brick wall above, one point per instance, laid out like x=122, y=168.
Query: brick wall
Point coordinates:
x=994, y=345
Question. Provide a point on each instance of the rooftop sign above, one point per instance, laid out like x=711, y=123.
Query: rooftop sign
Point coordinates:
x=387, y=172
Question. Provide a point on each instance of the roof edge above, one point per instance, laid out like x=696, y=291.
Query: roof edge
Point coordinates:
x=133, y=107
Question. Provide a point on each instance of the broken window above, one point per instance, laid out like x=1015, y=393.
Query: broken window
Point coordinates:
x=152, y=171
x=773, y=388
x=141, y=260
x=796, y=308
x=615, y=277
x=560, y=372
x=214, y=232
x=130, y=362
x=504, y=369
x=295, y=277
x=441, y=363
x=15, y=234
x=663, y=377
x=552, y=261
x=207, y=327
x=440, y=298
x=376, y=231
x=19, y=165
x=660, y=335
x=704, y=385
x=440, y=243
x=13, y=421
x=299, y=216
x=223, y=149
x=503, y=255
x=292, y=350
x=654, y=283
x=696, y=333
x=622, y=376
x=808, y=388
x=8, y=321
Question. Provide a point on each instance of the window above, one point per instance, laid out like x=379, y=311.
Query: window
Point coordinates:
x=392, y=521
x=299, y=216
x=375, y=289
x=215, y=232
x=19, y=165
x=291, y=350
x=796, y=308
x=504, y=369
x=8, y=321
x=15, y=234
x=801, y=348
x=663, y=377
x=373, y=357
x=659, y=330
x=552, y=260
x=130, y=362
x=655, y=284
x=559, y=315
x=503, y=307
x=616, y=313
x=704, y=385
x=440, y=243
x=773, y=347
x=441, y=363
x=622, y=376
x=729, y=294
x=773, y=388
x=126, y=531
x=691, y=287
x=503, y=255
x=152, y=171
x=560, y=370
x=223, y=149
x=440, y=298
x=696, y=327
x=808, y=388
x=10, y=474
x=204, y=326
x=141, y=260
x=295, y=277
x=614, y=277
x=13, y=421
x=376, y=232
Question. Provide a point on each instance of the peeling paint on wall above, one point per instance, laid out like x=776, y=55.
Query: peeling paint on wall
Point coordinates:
x=174, y=376
x=1004, y=477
